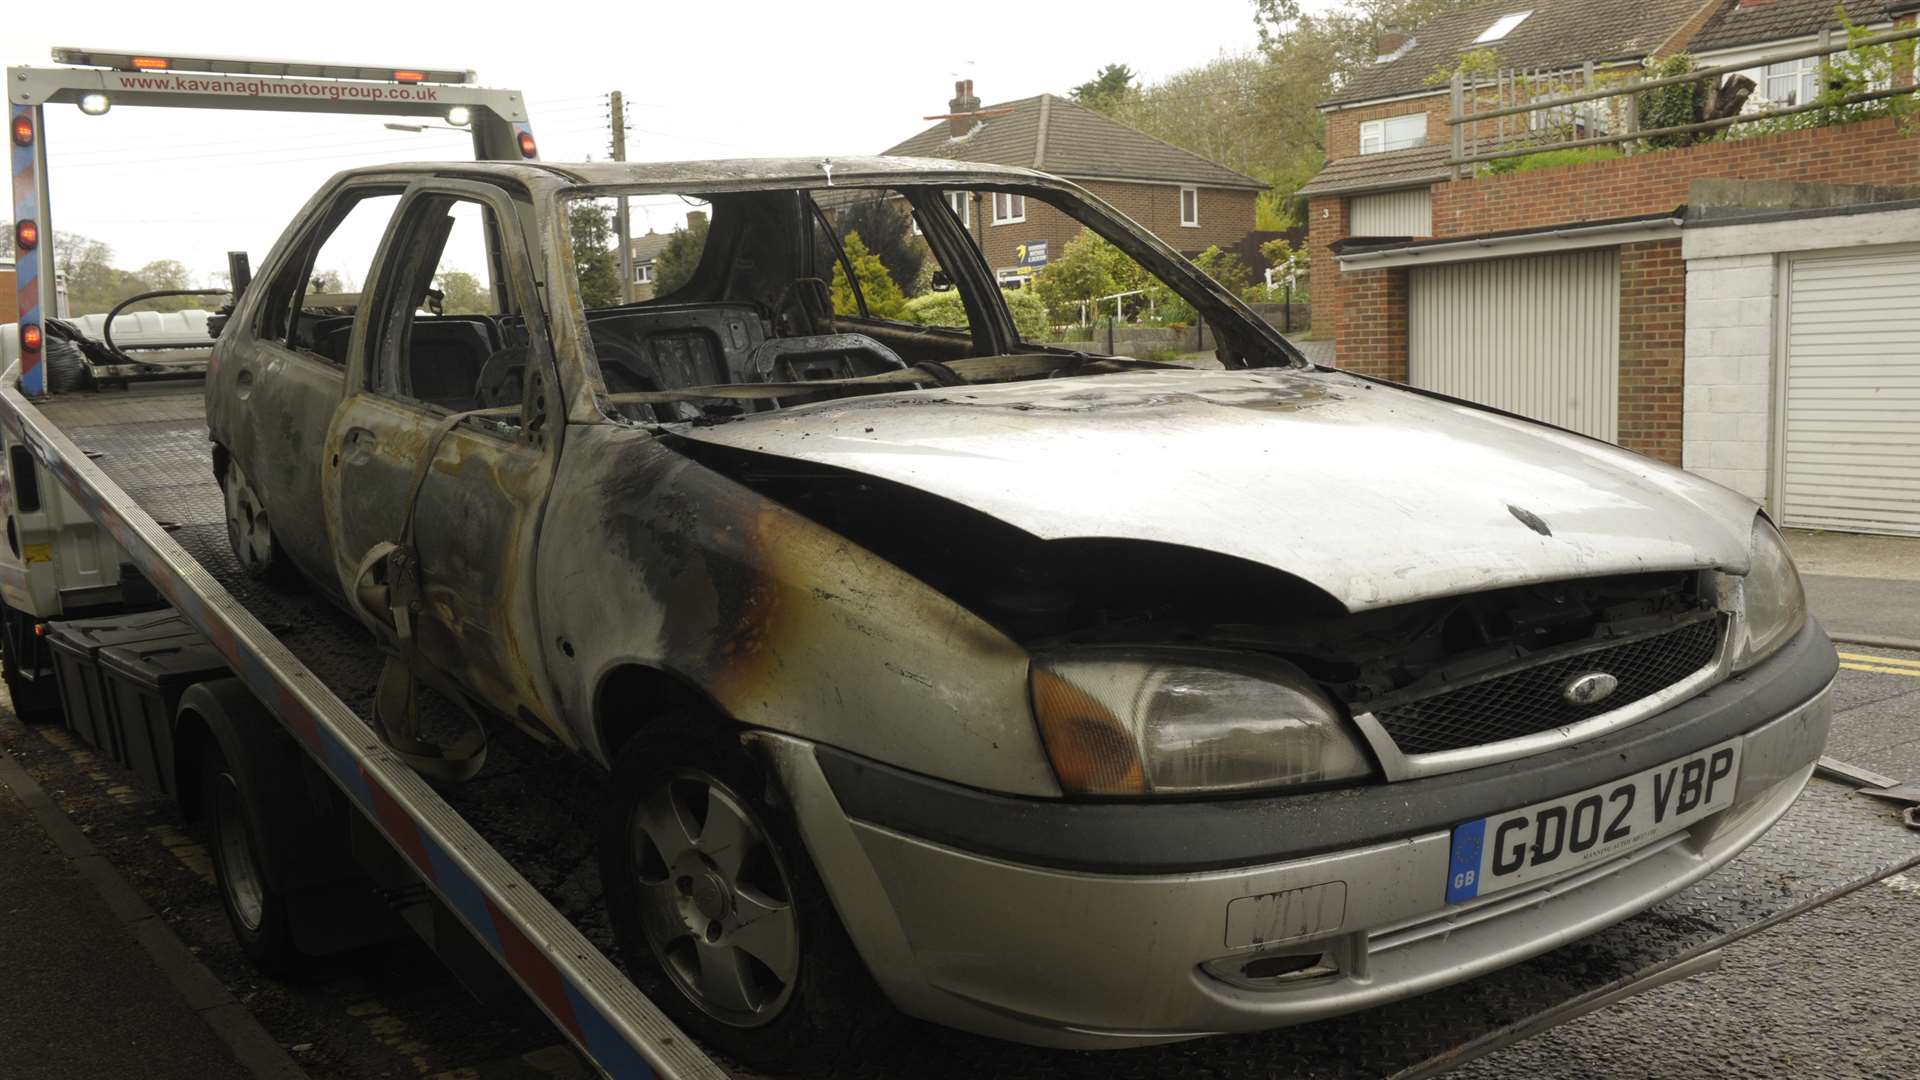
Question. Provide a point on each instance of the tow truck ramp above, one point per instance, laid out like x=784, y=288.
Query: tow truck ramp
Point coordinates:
x=139, y=457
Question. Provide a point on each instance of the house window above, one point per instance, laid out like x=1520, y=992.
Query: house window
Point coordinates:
x=1793, y=82
x=1393, y=133
x=961, y=203
x=1501, y=27
x=1009, y=209
x=643, y=273
x=1190, y=207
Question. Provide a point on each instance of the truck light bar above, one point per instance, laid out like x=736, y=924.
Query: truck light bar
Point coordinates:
x=121, y=60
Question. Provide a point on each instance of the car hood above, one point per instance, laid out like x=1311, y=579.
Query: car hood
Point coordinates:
x=1374, y=494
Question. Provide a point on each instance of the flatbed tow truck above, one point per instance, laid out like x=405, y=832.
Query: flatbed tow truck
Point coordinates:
x=122, y=474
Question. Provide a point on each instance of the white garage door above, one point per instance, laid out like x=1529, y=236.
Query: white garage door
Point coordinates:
x=1539, y=336
x=1850, y=447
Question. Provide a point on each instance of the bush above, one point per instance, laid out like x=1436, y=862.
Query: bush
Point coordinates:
x=945, y=309
x=1548, y=159
x=883, y=298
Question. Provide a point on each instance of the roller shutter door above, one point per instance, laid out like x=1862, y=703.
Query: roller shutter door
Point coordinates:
x=1537, y=335
x=1850, y=446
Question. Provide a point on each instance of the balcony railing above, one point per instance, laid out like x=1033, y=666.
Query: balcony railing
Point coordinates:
x=1512, y=113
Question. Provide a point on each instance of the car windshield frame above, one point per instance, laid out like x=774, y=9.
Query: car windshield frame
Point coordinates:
x=1248, y=339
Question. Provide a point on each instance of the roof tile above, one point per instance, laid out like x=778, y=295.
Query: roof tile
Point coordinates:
x=1079, y=143
x=1559, y=34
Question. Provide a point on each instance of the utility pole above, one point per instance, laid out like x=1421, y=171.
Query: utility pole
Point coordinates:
x=619, y=119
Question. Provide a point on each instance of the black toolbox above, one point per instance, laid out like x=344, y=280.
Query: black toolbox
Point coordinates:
x=144, y=682
x=89, y=701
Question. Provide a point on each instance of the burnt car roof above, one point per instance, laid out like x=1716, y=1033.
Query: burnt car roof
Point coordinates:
x=754, y=172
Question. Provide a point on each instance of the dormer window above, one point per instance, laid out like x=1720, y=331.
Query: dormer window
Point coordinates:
x=1501, y=27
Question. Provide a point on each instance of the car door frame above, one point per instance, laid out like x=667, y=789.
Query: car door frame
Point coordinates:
x=488, y=648
x=267, y=397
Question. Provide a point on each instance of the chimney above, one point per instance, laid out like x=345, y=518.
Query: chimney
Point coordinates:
x=963, y=102
x=1387, y=44
x=695, y=219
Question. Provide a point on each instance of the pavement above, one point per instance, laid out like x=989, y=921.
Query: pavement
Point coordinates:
x=1865, y=588
x=95, y=985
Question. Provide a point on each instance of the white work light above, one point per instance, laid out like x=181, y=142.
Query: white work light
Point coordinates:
x=458, y=116
x=95, y=104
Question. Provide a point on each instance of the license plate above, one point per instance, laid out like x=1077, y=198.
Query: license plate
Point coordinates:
x=1512, y=848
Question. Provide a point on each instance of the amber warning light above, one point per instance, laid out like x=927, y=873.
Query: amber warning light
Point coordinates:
x=23, y=130
x=150, y=63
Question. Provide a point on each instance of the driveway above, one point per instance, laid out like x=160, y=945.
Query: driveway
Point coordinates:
x=1865, y=588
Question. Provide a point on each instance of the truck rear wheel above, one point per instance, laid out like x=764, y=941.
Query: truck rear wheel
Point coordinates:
x=708, y=885
x=237, y=827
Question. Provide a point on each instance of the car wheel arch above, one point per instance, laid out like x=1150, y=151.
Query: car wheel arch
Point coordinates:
x=631, y=695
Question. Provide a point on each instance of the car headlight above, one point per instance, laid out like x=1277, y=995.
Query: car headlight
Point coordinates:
x=1122, y=721
x=1772, y=605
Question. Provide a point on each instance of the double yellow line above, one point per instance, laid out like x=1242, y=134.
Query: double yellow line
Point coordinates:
x=1886, y=665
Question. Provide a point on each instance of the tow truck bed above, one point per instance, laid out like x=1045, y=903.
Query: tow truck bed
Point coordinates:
x=151, y=442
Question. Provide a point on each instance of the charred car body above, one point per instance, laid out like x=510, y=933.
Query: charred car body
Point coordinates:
x=1078, y=700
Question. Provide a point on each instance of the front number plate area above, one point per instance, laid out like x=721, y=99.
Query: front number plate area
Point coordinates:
x=1501, y=851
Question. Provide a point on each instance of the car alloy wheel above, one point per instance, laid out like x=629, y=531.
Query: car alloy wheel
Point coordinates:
x=717, y=905
x=247, y=526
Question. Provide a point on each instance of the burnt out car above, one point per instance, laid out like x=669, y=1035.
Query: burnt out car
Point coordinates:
x=933, y=657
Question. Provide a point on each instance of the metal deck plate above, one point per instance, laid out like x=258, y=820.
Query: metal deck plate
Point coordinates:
x=529, y=803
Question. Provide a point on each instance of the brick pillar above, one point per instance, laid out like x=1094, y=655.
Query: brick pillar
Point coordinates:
x=1653, y=336
x=1373, y=329
x=1326, y=222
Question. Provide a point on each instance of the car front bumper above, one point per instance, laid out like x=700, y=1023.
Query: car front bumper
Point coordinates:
x=1100, y=927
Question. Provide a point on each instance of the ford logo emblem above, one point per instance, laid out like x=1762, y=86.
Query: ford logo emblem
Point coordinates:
x=1589, y=689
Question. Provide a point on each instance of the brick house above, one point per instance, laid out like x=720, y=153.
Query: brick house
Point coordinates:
x=1188, y=201
x=1748, y=308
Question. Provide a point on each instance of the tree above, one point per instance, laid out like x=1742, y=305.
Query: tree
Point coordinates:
x=1108, y=90
x=675, y=264
x=594, y=258
x=886, y=228
x=463, y=294
x=1088, y=268
x=883, y=298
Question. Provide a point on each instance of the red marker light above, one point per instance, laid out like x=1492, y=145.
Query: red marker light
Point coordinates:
x=39, y=629
x=26, y=235
x=23, y=130
x=527, y=149
x=30, y=337
x=409, y=76
x=149, y=63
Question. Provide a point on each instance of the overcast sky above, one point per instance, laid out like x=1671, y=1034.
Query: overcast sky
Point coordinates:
x=702, y=80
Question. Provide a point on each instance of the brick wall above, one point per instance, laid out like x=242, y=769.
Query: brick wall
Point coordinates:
x=1868, y=152
x=1373, y=323
x=1729, y=370
x=1226, y=216
x=1653, y=316
x=1343, y=125
x=1327, y=221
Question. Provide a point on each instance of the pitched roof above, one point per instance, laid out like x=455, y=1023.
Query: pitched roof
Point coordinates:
x=1414, y=167
x=1744, y=24
x=650, y=246
x=1558, y=34
x=1061, y=136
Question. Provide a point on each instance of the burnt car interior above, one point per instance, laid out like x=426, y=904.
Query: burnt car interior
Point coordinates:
x=773, y=299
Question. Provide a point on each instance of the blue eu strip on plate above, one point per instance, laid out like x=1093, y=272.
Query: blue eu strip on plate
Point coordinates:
x=1463, y=876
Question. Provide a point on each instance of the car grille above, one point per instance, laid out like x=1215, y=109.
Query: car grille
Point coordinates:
x=1525, y=701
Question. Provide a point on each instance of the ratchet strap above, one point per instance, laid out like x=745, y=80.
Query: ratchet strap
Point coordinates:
x=396, y=704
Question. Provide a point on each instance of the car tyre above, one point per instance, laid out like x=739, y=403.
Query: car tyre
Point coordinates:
x=710, y=889
x=238, y=829
x=249, y=530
